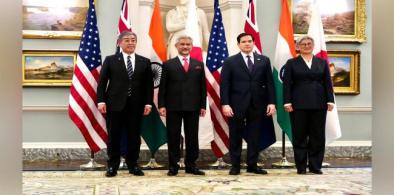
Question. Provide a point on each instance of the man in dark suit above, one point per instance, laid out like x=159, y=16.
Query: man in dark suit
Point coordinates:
x=308, y=95
x=182, y=96
x=125, y=94
x=248, y=97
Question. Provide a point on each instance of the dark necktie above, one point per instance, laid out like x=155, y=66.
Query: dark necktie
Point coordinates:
x=129, y=72
x=129, y=67
x=250, y=64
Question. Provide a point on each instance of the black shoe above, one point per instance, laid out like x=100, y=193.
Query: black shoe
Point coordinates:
x=136, y=171
x=194, y=171
x=172, y=171
x=235, y=171
x=301, y=172
x=111, y=172
x=256, y=170
x=318, y=172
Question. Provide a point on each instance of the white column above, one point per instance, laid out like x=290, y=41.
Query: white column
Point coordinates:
x=145, y=9
x=233, y=21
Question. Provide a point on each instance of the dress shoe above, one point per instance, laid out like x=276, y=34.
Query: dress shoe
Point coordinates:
x=256, y=170
x=318, y=172
x=111, y=172
x=301, y=172
x=235, y=171
x=172, y=171
x=136, y=171
x=194, y=171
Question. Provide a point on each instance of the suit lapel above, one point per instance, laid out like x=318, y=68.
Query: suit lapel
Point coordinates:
x=179, y=65
x=137, y=64
x=121, y=63
x=242, y=63
x=258, y=63
x=315, y=64
x=303, y=64
x=193, y=64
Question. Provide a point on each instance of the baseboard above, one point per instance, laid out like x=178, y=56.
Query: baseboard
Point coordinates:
x=79, y=150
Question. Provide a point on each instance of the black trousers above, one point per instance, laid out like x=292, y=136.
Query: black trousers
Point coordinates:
x=174, y=124
x=237, y=125
x=308, y=128
x=130, y=118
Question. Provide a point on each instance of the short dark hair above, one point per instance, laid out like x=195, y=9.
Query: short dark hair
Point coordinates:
x=126, y=33
x=244, y=34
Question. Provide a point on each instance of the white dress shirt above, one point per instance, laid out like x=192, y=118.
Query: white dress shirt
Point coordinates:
x=132, y=58
x=181, y=59
x=246, y=58
x=308, y=63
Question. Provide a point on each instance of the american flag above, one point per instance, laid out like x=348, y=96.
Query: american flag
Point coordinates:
x=82, y=107
x=251, y=26
x=217, y=53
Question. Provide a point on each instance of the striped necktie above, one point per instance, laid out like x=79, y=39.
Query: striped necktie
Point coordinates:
x=129, y=72
x=129, y=67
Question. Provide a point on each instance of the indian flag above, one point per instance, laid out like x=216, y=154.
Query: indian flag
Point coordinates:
x=285, y=50
x=153, y=129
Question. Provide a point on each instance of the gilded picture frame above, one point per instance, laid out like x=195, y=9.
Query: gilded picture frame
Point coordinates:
x=60, y=19
x=345, y=71
x=48, y=68
x=343, y=20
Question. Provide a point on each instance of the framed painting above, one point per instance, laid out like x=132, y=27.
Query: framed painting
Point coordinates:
x=48, y=68
x=343, y=20
x=60, y=19
x=345, y=71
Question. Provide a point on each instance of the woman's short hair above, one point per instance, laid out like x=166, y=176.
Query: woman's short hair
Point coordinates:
x=303, y=38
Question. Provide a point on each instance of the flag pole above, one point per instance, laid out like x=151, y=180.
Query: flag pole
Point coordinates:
x=122, y=164
x=152, y=164
x=91, y=165
x=283, y=163
x=219, y=164
x=181, y=162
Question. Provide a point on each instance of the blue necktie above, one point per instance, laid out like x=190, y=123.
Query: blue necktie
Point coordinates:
x=250, y=64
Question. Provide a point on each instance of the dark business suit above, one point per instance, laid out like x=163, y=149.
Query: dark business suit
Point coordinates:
x=308, y=90
x=248, y=94
x=124, y=110
x=183, y=94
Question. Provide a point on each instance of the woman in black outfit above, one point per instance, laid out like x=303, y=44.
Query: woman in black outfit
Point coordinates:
x=308, y=94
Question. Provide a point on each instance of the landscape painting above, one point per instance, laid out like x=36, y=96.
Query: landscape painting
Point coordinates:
x=54, y=19
x=52, y=68
x=343, y=20
x=345, y=71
